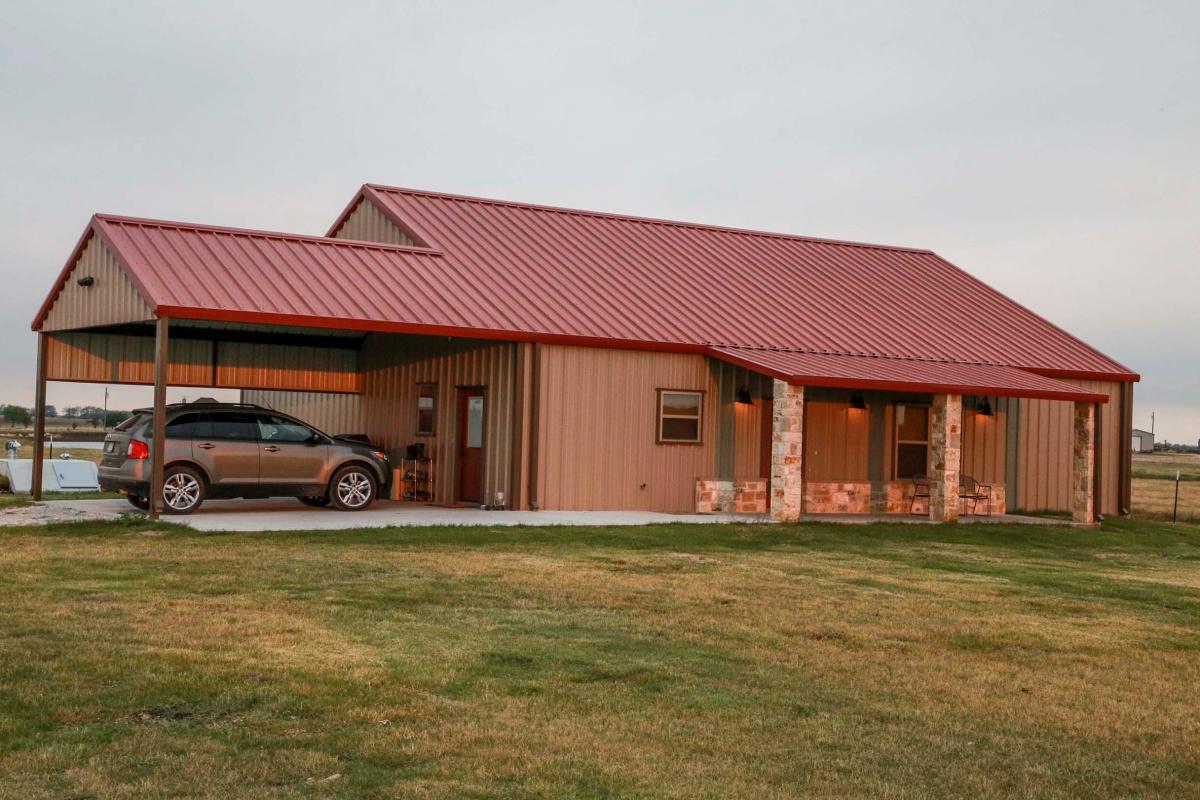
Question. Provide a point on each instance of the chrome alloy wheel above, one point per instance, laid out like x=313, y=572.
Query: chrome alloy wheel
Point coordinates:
x=354, y=489
x=181, y=491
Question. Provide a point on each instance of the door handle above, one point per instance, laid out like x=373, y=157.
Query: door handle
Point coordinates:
x=271, y=448
x=206, y=446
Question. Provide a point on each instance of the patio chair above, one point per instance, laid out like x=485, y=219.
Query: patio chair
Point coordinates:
x=972, y=491
x=920, y=491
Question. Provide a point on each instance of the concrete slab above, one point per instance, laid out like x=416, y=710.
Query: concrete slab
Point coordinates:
x=291, y=515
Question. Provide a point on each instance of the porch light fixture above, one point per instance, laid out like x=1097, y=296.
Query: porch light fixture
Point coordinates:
x=858, y=403
x=743, y=396
x=984, y=409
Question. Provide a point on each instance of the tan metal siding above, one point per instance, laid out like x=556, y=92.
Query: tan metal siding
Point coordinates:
x=393, y=365
x=105, y=358
x=109, y=358
x=835, y=441
x=367, y=223
x=985, y=440
x=1044, y=451
x=285, y=366
x=112, y=299
x=596, y=430
x=330, y=412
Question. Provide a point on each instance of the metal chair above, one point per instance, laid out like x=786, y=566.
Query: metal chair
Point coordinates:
x=920, y=491
x=972, y=491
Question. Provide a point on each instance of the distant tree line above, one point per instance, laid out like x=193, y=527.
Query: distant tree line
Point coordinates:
x=20, y=416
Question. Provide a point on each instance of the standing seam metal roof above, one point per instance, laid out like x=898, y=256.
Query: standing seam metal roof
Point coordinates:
x=492, y=269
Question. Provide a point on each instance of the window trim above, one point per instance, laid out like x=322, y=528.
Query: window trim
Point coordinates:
x=897, y=441
x=434, y=423
x=659, y=417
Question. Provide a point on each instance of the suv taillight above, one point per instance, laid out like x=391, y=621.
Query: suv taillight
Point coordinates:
x=137, y=449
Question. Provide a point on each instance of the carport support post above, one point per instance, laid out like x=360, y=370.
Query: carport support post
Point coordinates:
x=945, y=456
x=1083, y=465
x=39, y=420
x=158, y=442
x=787, y=452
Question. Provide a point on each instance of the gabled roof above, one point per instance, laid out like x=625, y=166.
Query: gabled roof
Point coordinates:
x=496, y=270
x=614, y=277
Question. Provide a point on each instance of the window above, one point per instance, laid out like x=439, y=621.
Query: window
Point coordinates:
x=912, y=441
x=679, y=416
x=426, y=408
x=228, y=425
x=183, y=426
x=274, y=428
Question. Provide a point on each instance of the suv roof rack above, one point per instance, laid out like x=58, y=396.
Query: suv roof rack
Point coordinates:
x=203, y=401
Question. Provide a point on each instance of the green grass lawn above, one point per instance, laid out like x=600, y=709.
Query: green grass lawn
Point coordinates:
x=895, y=661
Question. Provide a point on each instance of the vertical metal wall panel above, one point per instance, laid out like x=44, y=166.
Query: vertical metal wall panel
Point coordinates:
x=285, y=366
x=367, y=223
x=836, y=439
x=1044, y=444
x=985, y=440
x=108, y=358
x=110, y=300
x=111, y=358
x=738, y=442
x=331, y=412
x=393, y=366
x=597, y=424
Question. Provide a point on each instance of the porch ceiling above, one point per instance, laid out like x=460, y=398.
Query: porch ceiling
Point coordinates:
x=896, y=374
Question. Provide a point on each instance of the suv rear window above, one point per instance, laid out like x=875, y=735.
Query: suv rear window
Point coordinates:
x=228, y=425
x=132, y=422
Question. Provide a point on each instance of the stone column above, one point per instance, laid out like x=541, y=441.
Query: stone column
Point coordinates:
x=787, y=452
x=1083, y=465
x=945, y=456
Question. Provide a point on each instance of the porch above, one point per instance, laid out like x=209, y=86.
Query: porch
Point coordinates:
x=805, y=435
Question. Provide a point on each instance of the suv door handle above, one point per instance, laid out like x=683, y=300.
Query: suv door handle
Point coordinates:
x=271, y=448
x=206, y=446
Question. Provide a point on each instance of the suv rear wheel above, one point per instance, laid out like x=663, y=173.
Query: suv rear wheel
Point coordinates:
x=183, y=490
x=352, y=488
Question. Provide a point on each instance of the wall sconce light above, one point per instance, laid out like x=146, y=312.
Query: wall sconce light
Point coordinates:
x=858, y=403
x=984, y=409
x=85, y=281
x=743, y=396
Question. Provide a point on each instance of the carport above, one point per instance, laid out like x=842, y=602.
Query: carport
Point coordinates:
x=152, y=303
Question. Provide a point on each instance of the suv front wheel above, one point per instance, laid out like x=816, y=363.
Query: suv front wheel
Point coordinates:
x=183, y=490
x=352, y=488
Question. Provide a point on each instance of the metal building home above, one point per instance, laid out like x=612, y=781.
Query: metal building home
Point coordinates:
x=566, y=359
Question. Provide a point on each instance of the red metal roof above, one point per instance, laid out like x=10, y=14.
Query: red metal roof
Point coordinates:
x=515, y=271
x=894, y=374
x=609, y=276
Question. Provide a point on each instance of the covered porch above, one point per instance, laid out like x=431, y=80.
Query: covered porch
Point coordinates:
x=822, y=435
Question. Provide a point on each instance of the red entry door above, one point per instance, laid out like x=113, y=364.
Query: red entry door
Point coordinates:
x=470, y=444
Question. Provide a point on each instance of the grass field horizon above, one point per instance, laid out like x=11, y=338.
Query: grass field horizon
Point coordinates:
x=900, y=661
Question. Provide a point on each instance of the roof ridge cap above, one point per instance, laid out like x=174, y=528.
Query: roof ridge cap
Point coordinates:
x=645, y=220
x=149, y=222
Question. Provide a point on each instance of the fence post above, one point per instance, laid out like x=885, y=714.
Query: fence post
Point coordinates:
x=1175, y=513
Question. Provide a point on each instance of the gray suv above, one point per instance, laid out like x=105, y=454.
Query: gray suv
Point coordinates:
x=239, y=450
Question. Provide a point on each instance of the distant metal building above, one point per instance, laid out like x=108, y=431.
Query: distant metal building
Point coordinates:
x=1143, y=441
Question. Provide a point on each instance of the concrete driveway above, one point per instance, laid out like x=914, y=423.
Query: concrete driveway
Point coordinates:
x=291, y=515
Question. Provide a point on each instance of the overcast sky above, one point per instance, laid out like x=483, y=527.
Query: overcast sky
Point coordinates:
x=1049, y=148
